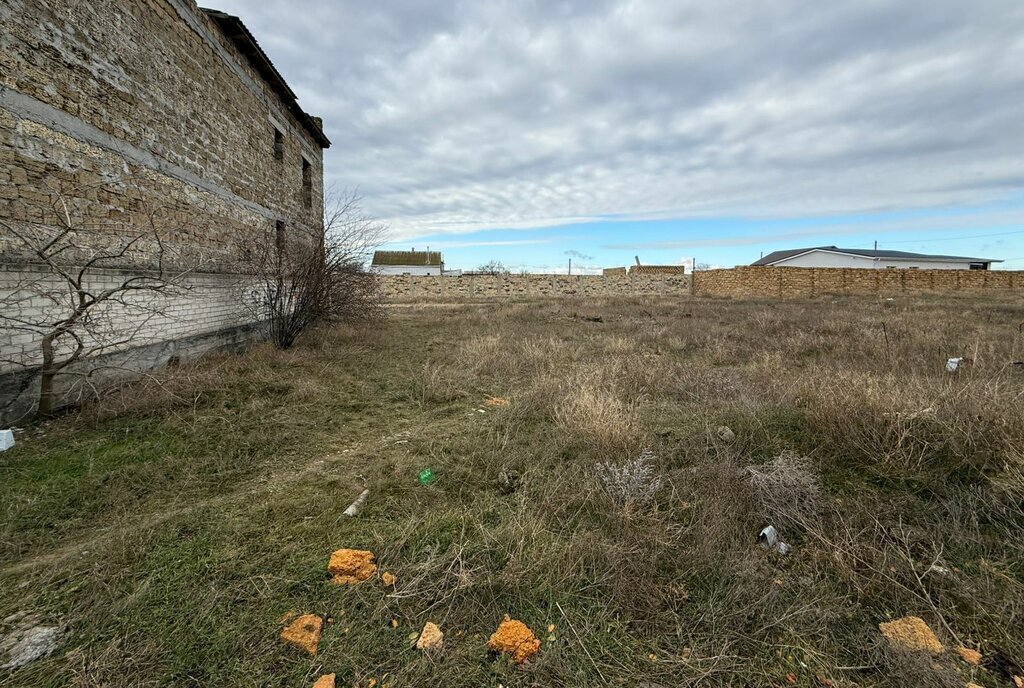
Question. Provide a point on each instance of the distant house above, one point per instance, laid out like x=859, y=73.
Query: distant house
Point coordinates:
x=832, y=257
x=407, y=263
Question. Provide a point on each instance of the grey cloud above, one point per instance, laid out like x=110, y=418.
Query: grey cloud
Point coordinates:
x=1009, y=221
x=452, y=117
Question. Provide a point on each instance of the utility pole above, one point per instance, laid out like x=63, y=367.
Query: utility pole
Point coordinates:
x=570, y=266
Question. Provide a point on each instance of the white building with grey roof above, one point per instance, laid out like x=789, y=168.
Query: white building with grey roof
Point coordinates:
x=833, y=257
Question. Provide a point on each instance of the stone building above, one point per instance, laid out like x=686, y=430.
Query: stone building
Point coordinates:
x=121, y=114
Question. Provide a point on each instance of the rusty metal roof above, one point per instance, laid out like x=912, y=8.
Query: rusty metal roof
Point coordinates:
x=407, y=258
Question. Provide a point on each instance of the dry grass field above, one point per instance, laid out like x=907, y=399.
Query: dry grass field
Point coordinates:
x=168, y=527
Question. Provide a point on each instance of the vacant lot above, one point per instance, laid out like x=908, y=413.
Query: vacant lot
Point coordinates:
x=168, y=528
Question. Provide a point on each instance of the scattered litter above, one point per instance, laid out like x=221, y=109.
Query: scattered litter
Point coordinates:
x=388, y=579
x=911, y=633
x=953, y=364
x=426, y=476
x=940, y=570
x=27, y=642
x=351, y=566
x=304, y=633
x=509, y=481
x=355, y=507
x=6, y=439
x=431, y=638
x=496, y=401
x=325, y=681
x=972, y=657
x=514, y=638
x=481, y=411
x=769, y=539
x=725, y=433
x=394, y=623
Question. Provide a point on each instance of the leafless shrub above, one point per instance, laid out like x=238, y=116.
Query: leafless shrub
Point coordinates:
x=788, y=491
x=305, y=276
x=633, y=484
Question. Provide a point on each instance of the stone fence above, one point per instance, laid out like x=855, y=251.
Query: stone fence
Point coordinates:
x=399, y=288
x=743, y=282
x=803, y=282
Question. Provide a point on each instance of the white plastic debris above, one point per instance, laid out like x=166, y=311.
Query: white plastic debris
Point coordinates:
x=953, y=364
x=355, y=507
x=769, y=539
x=6, y=439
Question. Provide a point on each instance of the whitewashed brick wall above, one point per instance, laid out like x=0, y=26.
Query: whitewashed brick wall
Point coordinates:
x=200, y=303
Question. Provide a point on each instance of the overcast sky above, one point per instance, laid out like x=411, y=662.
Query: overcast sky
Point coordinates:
x=526, y=130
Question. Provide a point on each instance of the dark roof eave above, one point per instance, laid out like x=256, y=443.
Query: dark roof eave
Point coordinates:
x=235, y=31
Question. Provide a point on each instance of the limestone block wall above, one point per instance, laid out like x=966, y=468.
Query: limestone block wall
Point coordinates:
x=779, y=282
x=742, y=282
x=403, y=288
x=158, y=84
x=142, y=116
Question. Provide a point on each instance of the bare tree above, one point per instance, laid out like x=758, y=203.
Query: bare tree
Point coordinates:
x=73, y=300
x=493, y=267
x=304, y=276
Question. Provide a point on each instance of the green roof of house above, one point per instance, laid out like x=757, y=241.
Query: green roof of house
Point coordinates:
x=406, y=257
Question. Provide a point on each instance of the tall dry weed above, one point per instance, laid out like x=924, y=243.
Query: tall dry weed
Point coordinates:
x=599, y=417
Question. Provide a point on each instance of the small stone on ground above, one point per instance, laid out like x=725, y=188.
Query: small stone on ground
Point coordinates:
x=325, y=681
x=911, y=633
x=351, y=566
x=304, y=633
x=388, y=579
x=431, y=638
x=972, y=657
x=27, y=642
x=514, y=638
